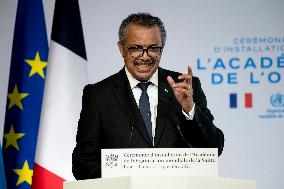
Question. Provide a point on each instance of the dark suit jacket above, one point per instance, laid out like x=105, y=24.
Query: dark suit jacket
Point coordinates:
x=110, y=118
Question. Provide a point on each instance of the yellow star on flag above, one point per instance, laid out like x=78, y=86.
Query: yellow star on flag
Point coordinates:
x=37, y=65
x=25, y=174
x=12, y=137
x=16, y=98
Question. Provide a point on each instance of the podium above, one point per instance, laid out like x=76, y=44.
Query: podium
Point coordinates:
x=161, y=182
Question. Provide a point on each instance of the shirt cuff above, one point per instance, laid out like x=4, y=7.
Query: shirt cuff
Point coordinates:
x=190, y=114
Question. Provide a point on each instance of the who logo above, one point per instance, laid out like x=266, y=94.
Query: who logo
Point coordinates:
x=277, y=100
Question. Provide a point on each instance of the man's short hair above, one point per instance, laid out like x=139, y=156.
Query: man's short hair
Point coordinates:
x=144, y=20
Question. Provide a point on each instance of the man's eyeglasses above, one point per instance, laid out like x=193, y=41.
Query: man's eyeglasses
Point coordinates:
x=152, y=52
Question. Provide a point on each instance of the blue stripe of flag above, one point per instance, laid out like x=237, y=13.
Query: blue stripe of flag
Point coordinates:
x=233, y=100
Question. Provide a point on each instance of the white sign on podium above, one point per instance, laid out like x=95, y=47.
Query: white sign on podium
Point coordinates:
x=159, y=162
x=164, y=182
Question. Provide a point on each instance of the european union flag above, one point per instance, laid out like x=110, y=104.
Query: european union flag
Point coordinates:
x=25, y=91
x=2, y=174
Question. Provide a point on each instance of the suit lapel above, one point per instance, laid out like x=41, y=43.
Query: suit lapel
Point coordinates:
x=124, y=96
x=164, y=104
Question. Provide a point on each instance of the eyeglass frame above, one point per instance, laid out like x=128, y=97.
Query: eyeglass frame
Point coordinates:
x=145, y=50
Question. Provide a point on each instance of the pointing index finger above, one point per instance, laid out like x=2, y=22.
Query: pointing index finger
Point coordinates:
x=189, y=71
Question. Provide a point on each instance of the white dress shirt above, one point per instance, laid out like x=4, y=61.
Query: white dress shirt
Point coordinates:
x=152, y=92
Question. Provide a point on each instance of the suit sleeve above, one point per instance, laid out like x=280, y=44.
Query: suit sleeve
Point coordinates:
x=201, y=131
x=86, y=155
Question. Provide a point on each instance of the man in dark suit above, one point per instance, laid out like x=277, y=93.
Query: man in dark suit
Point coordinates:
x=143, y=105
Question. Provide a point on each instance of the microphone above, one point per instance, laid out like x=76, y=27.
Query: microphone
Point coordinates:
x=177, y=124
x=132, y=126
x=130, y=137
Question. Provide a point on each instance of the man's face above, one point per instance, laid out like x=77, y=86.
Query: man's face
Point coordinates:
x=142, y=67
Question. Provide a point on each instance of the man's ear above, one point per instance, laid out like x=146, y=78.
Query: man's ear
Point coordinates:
x=120, y=46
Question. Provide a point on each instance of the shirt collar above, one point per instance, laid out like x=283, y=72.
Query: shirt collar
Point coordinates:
x=133, y=82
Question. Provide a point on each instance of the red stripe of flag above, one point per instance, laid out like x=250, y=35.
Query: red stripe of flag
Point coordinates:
x=44, y=179
x=248, y=100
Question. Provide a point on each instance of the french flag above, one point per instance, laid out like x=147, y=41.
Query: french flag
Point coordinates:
x=248, y=103
x=65, y=80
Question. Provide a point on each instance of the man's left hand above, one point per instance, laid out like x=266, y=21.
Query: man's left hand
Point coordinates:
x=183, y=90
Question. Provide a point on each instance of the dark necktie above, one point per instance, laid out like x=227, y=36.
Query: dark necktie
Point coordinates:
x=144, y=106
